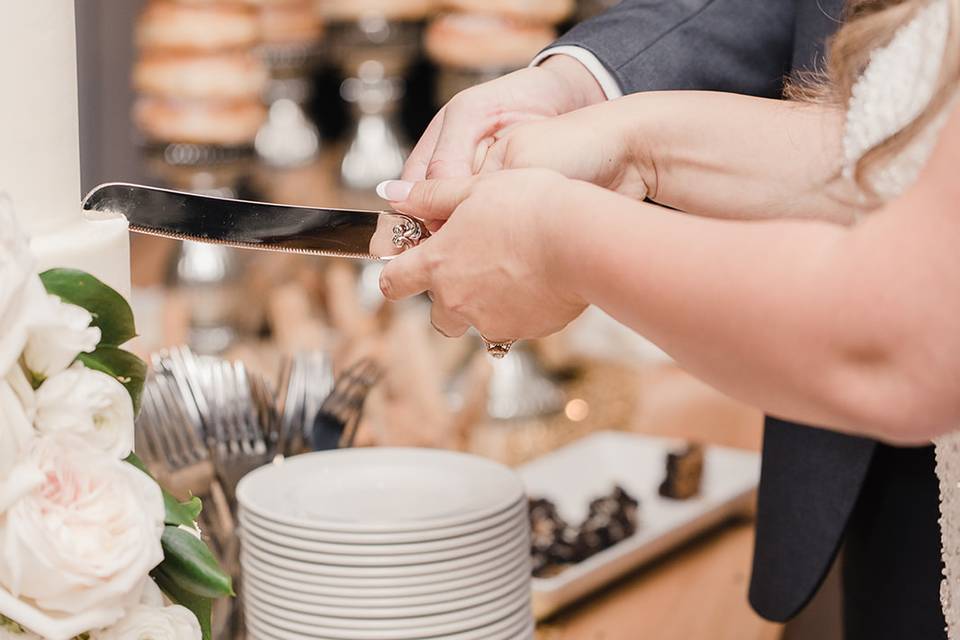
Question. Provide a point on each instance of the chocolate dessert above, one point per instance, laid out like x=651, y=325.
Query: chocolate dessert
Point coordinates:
x=557, y=545
x=684, y=473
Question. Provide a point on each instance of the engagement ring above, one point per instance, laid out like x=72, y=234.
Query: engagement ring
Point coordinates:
x=498, y=349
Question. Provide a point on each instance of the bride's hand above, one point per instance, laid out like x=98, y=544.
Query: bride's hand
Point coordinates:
x=493, y=265
x=602, y=144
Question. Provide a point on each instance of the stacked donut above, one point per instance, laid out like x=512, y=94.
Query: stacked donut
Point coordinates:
x=199, y=79
x=391, y=10
x=493, y=35
x=289, y=23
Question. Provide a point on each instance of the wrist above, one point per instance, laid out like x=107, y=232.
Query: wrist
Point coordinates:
x=576, y=83
x=647, y=132
x=566, y=243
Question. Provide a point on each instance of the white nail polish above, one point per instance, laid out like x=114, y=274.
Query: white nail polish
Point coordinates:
x=394, y=190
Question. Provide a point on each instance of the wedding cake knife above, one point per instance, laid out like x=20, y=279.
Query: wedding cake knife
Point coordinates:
x=258, y=225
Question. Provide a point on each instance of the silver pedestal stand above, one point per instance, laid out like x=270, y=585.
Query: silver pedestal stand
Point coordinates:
x=519, y=388
x=374, y=54
x=289, y=138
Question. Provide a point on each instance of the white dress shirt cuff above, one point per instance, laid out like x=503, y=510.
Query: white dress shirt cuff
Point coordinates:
x=609, y=84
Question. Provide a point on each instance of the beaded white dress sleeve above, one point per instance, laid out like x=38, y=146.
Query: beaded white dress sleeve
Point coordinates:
x=894, y=89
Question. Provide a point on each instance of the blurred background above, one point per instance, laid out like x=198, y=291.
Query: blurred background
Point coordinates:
x=314, y=102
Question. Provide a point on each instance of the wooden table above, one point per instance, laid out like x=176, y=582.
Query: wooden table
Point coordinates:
x=700, y=590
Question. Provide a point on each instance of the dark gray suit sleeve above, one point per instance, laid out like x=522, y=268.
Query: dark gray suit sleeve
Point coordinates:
x=741, y=46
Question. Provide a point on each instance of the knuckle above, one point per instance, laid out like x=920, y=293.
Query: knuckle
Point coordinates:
x=387, y=287
x=445, y=167
x=457, y=304
x=427, y=194
x=432, y=262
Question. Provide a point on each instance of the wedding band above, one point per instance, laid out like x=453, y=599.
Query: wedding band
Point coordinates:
x=498, y=350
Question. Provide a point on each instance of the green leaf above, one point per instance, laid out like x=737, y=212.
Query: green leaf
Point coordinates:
x=111, y=312
x=176, y=513
x=127, y=368
x=135, y=460
x=182, y=513
x=190, y=564
x=200, y=606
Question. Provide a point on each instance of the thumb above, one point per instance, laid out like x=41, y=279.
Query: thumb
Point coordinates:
x=428, y=200
x=407, y=275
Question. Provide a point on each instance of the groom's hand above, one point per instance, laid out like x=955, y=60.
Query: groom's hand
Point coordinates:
x=606, y=144
x=455, y=143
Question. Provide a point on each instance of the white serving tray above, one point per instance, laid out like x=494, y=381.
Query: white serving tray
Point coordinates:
x=574, y=475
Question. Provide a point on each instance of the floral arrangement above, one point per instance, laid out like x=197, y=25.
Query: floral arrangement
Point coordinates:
x=91, y=547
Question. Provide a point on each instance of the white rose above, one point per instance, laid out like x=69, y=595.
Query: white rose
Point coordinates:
x=90, y=404
x=57, y=335
x=153, y=623
x=16, y=430
x=18, y=286
x=82, y=537
x=153, y=596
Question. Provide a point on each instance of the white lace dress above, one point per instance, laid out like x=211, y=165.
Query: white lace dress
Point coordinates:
x=896, y=87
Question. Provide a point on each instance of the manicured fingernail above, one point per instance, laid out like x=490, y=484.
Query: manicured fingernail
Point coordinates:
x=394, y=190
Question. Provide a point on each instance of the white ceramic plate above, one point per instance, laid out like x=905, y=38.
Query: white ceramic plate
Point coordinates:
x=425, y=627
x=278, y=547
x=291, y=537
x=408, y=537
x=385, y=587
x=360, y=598
x=262, y=594
x=579, y=472
x=445, y=570
x=516, y=626
x=380, y=490
x=461, y=620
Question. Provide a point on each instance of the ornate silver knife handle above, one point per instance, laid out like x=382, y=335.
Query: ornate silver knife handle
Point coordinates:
x=407, y=233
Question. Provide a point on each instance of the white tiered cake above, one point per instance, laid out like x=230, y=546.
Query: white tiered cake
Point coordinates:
x=40, y=143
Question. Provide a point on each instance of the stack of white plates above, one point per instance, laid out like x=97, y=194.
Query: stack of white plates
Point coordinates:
x=385, y=544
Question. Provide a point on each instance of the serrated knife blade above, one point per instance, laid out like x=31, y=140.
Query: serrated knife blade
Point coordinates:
x=346, y=233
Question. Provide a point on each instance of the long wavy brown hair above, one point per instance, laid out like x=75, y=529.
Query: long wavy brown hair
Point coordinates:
x=870, y=24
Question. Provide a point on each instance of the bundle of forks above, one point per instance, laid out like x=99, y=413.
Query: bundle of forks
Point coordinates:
x=206, y=418
x=207, y=422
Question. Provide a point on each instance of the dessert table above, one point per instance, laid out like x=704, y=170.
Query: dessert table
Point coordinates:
x=699, y=590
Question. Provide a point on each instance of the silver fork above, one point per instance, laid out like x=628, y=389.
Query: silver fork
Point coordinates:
x=170, y=447
x=173, y=450
x=228, y=412
x=306, y=380
x=335, y=423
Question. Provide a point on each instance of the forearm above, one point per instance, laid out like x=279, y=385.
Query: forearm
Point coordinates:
x=798, y=318
x=729, y=156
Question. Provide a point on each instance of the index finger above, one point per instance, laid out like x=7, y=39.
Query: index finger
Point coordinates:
x=435, y=199
x=462, y=131
x=415, y=168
